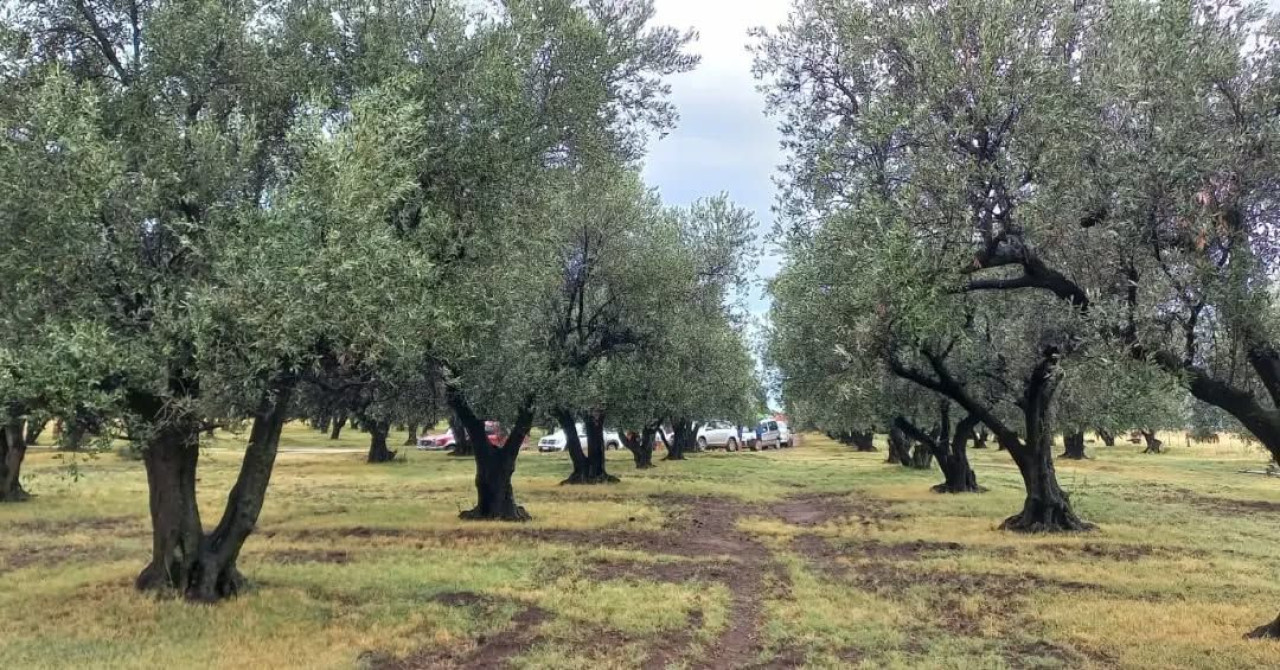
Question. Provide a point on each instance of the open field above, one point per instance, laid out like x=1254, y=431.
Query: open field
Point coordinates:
x=814, y=556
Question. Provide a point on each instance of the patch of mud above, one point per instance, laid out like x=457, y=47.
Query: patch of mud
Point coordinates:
x=822, y=551
x=1215, y=505
x=819, y=509
x=494, y=650
x=91, y=525
x=26, y=556
x=1035, y=654
x=296, y=556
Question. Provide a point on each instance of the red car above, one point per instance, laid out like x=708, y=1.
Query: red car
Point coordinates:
x=444, y=441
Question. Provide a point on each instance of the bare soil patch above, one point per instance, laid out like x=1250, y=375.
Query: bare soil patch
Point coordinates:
x=48, y=555
x=491, y=651
x=295, y=556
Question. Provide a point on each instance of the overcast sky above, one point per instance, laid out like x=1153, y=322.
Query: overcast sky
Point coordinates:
x=724, y=141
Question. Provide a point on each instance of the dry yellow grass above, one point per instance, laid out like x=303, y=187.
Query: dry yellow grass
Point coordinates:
x=357, y=565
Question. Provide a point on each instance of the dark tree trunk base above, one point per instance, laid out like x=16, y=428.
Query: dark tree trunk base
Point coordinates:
x=516, y=513
x=1039, y=516
x=15, y=494
x=584, y=478
x=228, y=582
x=1074, y=447
x=944, y=487
x=1270, y=631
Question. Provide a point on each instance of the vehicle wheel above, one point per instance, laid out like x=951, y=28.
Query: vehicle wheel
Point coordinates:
x=702, y=444
x=731, y=445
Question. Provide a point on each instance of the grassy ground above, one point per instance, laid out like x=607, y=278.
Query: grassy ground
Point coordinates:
x=814, y=556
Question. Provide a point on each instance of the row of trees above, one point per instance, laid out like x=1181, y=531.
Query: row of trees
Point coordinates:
x=1050, y=216
x=217, y=213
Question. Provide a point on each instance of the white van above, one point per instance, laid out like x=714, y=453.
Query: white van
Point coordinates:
x=774, y=434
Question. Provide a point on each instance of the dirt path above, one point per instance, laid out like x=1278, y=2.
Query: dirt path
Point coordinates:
x=707, y=528
x=703, y=528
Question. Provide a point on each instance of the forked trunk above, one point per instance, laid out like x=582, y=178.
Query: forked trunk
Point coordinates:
x=1108, y=438
x=957, y=473
x=13, y=449
x=184, y=559
x=952, y=457
x=338, y=423
x=1154, y=443
x=641, y=446
x=588, y=468
x=495, y=498
x=378, y=431
x=1074, y=443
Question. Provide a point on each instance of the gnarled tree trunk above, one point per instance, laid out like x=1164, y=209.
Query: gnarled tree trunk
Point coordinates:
x=412, y=439
x=203, y=567
x=495, y=466
x=1074, y=446
x=859, y=440
x=338, y=423
x=1108, y=438
x=641, y=445
x=378, y=429
x=13, y=449
x=682, y=440
x=950, y=452
x=588, y=468
x=899, y=444
x=1047, y=507
x=1154, y=443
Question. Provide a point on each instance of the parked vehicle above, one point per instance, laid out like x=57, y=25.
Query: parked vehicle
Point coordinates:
x=558, y=442
x=719, y=434
x=774, y=434
x=444, y=441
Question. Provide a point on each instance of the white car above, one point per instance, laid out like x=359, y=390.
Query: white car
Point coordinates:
x=774, y=434
x=557, y=442
x=717, y=434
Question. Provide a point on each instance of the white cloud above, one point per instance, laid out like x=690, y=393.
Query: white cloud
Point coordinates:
x=724, y=141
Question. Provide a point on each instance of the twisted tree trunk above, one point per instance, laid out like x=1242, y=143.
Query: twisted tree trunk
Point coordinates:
x=338, y=423
x=495, y=466
x=1108, y=438
x=682, y=440
x=899, y=444
x=588, y=468
x=641, y=445
x=1154, y=443
x=378, y=429
x=1047, y=507
x=412, y=439
x=203, y=567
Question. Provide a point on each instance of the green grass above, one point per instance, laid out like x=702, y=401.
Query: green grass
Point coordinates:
x=353, y=564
